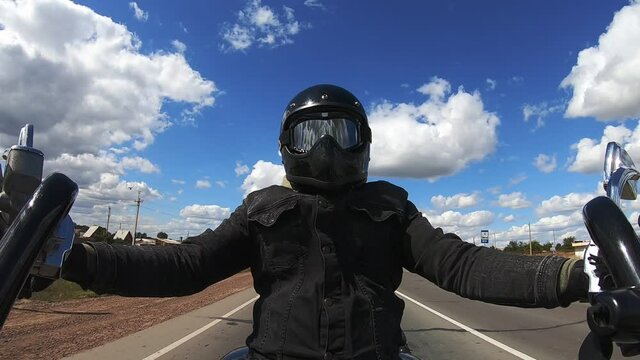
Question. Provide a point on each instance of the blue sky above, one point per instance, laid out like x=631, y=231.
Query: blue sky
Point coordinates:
x=492, y=115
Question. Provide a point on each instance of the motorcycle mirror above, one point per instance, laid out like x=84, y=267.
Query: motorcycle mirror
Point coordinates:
x=620, y=174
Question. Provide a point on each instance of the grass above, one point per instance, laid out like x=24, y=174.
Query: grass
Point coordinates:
x=62, y=290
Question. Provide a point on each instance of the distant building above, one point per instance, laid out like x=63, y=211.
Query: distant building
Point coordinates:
x=91, y=231
x=579, y=247
x=123, y=236
x=165, y=242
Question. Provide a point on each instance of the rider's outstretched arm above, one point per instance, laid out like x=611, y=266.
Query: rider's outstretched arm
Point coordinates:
x=163, y=271
x=489, y=275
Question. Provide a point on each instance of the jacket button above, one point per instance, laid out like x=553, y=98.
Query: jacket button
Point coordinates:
x=328, y=356
x=326, y=249
x=323, y=203
x=328, y=302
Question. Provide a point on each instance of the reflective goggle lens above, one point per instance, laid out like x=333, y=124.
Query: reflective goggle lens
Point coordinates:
x=308, y=132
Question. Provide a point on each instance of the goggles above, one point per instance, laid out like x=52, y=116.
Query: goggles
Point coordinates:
x=310, y=128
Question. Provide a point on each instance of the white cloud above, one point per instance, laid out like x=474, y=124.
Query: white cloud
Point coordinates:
x=605, y=80
x=241, y=169
x=86, y=169
x=260, y=24
x=178, y=181
x=138, y=13
x=464, y=225
x=543, y=230
x=92, y=96
x=517, y=179
x=205, y=213
x=313, y=3
x=264, y=174
x=539, y=112
x=589, y=156
x=405, y=135
x=515, y=200
x=509, y=218
x=203, y=184
x=179, y=46
x=545, y=163
x=456, y=201
x=141, y=164
x=222, y=184
x=491, y=84
x=564, y=204
x=85, y=86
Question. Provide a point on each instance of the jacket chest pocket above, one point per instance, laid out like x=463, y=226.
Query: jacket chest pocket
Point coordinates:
x=277, y=229
x=377, y=237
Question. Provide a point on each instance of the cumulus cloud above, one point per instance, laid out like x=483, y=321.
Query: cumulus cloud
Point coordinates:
x=93, y=200
x=456, y=201
x=203, y=184
x=564, y=204
x=589, y=157
x=465, y=225
x=539, y=112
x=85, y=86
x=509, y=218
x=543, y=230
x=93, y=97
x=138, y=13
x=205, y=213
x=262, y=175
x=605, y=80
x=545, y=163
x=436, y=138
x=515, y=200
x=260, y=25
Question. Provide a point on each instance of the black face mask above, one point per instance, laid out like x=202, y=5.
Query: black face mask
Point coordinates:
x=327, y=166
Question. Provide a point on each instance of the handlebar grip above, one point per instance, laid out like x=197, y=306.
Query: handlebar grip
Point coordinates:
x=29, y=232
x=616, y=239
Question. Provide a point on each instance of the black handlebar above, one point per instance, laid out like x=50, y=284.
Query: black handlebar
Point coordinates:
x=615, y=313
x=28, y=234
x=616, y=239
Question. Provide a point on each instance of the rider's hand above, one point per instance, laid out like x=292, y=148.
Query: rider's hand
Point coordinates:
x=573, y=283
x=80, y=265
x=34, y=284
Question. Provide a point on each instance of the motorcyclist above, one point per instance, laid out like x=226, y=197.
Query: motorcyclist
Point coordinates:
x=328, y=253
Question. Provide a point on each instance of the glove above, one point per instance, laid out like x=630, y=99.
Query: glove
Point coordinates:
x=573, y=283
x=80, y=265
x=34, y=284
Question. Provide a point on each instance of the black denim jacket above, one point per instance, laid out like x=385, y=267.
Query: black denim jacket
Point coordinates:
x=326, y=268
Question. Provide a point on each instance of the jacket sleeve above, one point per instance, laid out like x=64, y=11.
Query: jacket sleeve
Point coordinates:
x=176, y=269
x=476, y=272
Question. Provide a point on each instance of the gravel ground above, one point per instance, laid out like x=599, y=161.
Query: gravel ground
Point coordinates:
x=44, y=330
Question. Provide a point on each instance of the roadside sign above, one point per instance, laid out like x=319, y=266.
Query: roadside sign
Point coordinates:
x=484, y=236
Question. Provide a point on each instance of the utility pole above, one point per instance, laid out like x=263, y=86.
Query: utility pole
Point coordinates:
x=530, y=251
x=135, y=227
x=108, y=218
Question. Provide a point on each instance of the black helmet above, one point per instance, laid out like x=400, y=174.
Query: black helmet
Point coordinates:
x=324, y=139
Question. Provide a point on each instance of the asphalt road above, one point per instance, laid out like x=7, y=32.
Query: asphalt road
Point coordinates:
x=439, y=325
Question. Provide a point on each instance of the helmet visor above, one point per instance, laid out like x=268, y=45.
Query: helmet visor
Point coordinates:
x=311, y=129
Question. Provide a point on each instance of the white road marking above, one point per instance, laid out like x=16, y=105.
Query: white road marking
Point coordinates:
x=482, y=336
x=179, y=342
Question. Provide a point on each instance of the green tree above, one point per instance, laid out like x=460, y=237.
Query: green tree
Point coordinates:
x=162, y=235
x=566, y=243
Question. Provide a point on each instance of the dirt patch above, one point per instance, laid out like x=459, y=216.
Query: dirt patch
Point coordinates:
x=45, y=330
